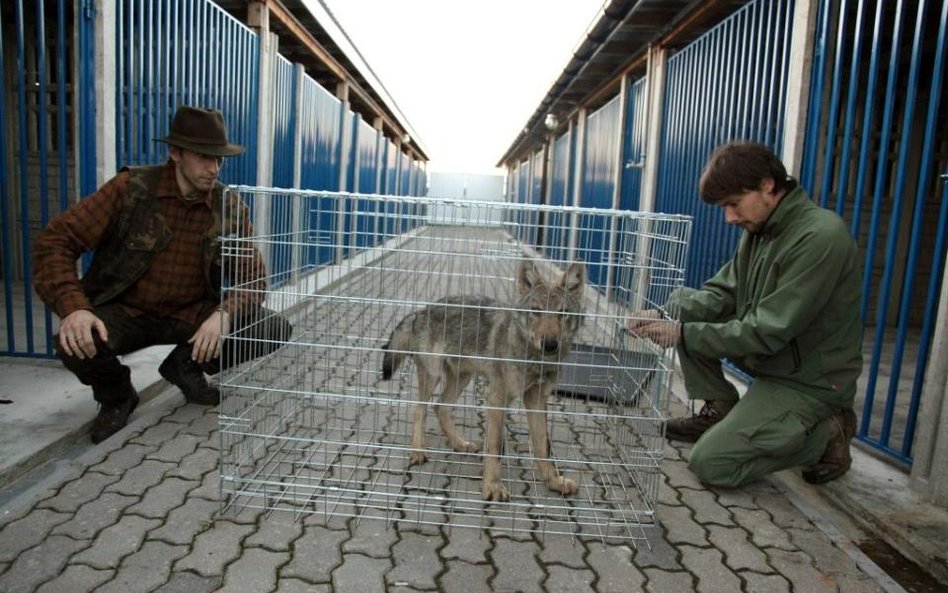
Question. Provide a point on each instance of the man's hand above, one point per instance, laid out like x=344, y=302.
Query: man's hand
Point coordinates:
x=641, y=318
x=206, y=341
x=666, y=333
x=75, y=333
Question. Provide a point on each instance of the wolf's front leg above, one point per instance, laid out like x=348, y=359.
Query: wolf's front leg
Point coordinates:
x=534, y=400
x=493, y=488
x=426, y=384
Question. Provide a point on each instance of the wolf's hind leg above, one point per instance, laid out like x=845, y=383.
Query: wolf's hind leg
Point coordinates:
x=535, y=400
x=426, y=385
x=454, y=383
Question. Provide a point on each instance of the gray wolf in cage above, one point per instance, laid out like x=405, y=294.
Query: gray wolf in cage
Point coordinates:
x=517, y=347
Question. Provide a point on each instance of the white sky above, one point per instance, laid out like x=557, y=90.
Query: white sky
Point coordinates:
x=466, y=74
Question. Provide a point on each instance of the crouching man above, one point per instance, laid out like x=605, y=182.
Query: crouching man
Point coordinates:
x=155, y=274
x=786, y=309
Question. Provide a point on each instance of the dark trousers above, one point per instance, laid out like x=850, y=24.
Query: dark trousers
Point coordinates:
x=250, y=337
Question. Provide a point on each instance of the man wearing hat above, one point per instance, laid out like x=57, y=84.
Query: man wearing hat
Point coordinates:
x=155, y=274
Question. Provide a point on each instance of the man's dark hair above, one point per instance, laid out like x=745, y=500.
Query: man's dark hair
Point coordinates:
x=738, y=167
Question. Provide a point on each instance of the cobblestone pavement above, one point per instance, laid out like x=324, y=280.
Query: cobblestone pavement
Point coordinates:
x=141, y=512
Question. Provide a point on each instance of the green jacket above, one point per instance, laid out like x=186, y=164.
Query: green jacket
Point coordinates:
x=786, y=306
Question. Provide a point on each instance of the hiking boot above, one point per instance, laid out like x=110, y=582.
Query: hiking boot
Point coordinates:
x=112, y=418
x=688, y=430
x=836, y=459
x=186, y=374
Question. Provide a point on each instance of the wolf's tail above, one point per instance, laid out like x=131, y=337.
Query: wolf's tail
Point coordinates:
x=395, y=349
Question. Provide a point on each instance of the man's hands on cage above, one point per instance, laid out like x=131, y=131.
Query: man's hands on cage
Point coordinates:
x=651, y=324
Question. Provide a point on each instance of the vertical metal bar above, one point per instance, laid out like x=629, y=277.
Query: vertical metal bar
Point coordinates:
x=42, y=145
x=854, y=88
x=23, y=111
x=881, y=167
x=862, y=173
x=808, y=170
x=5, y=200
x=835, y=91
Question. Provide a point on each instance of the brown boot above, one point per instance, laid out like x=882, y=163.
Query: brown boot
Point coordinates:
x=690, y=429
x=836, y=459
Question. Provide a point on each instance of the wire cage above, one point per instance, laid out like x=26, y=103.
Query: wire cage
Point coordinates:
x=317, y=427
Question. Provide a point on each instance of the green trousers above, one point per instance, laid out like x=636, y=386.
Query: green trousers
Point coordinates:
x=772, y=427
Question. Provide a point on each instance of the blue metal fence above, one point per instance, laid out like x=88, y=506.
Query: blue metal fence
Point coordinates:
x=875, y=139
x=189, y=52
x=634, y=141
x=599, y=185
x=726, y=85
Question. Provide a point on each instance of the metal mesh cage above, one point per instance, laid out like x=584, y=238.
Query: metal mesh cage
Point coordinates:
x=315, y=427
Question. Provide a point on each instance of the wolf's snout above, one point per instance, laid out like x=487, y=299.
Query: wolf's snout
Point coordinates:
x=550, y=345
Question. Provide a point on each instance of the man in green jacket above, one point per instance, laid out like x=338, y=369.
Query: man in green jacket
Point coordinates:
x=785, y=308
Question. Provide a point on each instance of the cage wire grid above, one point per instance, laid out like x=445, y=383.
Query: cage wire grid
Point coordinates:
x=314, y=427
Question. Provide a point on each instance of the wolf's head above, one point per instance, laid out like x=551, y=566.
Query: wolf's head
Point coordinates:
x=551, y=312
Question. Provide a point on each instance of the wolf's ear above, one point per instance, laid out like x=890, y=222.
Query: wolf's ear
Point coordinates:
x=575, y=277
x=528, y=277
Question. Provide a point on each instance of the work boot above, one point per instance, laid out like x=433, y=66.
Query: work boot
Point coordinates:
x=690, y=429
x=112, y=418
x=836, y=459
x=182, y=371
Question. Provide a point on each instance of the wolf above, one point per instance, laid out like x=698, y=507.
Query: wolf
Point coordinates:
x=516, y=347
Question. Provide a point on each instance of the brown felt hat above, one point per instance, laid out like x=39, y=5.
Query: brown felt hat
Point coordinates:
x=202, y=131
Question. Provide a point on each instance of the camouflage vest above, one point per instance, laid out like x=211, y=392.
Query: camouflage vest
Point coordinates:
x=141, y=232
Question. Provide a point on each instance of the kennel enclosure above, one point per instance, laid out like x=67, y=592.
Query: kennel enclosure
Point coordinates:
x=314, y=427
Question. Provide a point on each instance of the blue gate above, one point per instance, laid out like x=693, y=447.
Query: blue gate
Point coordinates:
x=874, y=133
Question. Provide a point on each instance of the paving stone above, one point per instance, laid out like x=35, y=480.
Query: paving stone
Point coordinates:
x=255, y=570
x=210, y=487
x=78, y=492
x=186, y=415
x=95, y=516
x=276, y=532
x=798, y=568
x=416, y=561
x=468, y=544
x=764, y=534
x=826, y=556
x=360, y=574
x=463, y=577
x=765, y=583
x=185, y=522
x=679, y=476
x=706, y=507
x=76, y=578
x=215, y=548
x=371, y=537
x=175, y=449
x=564, y=550
x=739, y=552
x=315, y=554
x=188, y=582
x=298, y=586
x=157, y=434
x=121, y=460
x=161, y=498
x=707, y=564
x=659, y=554
x=614, y=568
x=27, y=531
x=680, y=526
x=39, y=564
x=140, y=478
x=195, y=465
x=116, y=541
x=660, y=581
x=735, y=497
x=562, y=579
x=782, y=511
x=667, y=494
x=517, y=567
x=146, y=569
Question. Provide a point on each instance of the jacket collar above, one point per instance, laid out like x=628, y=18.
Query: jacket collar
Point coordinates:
x=786, y=211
